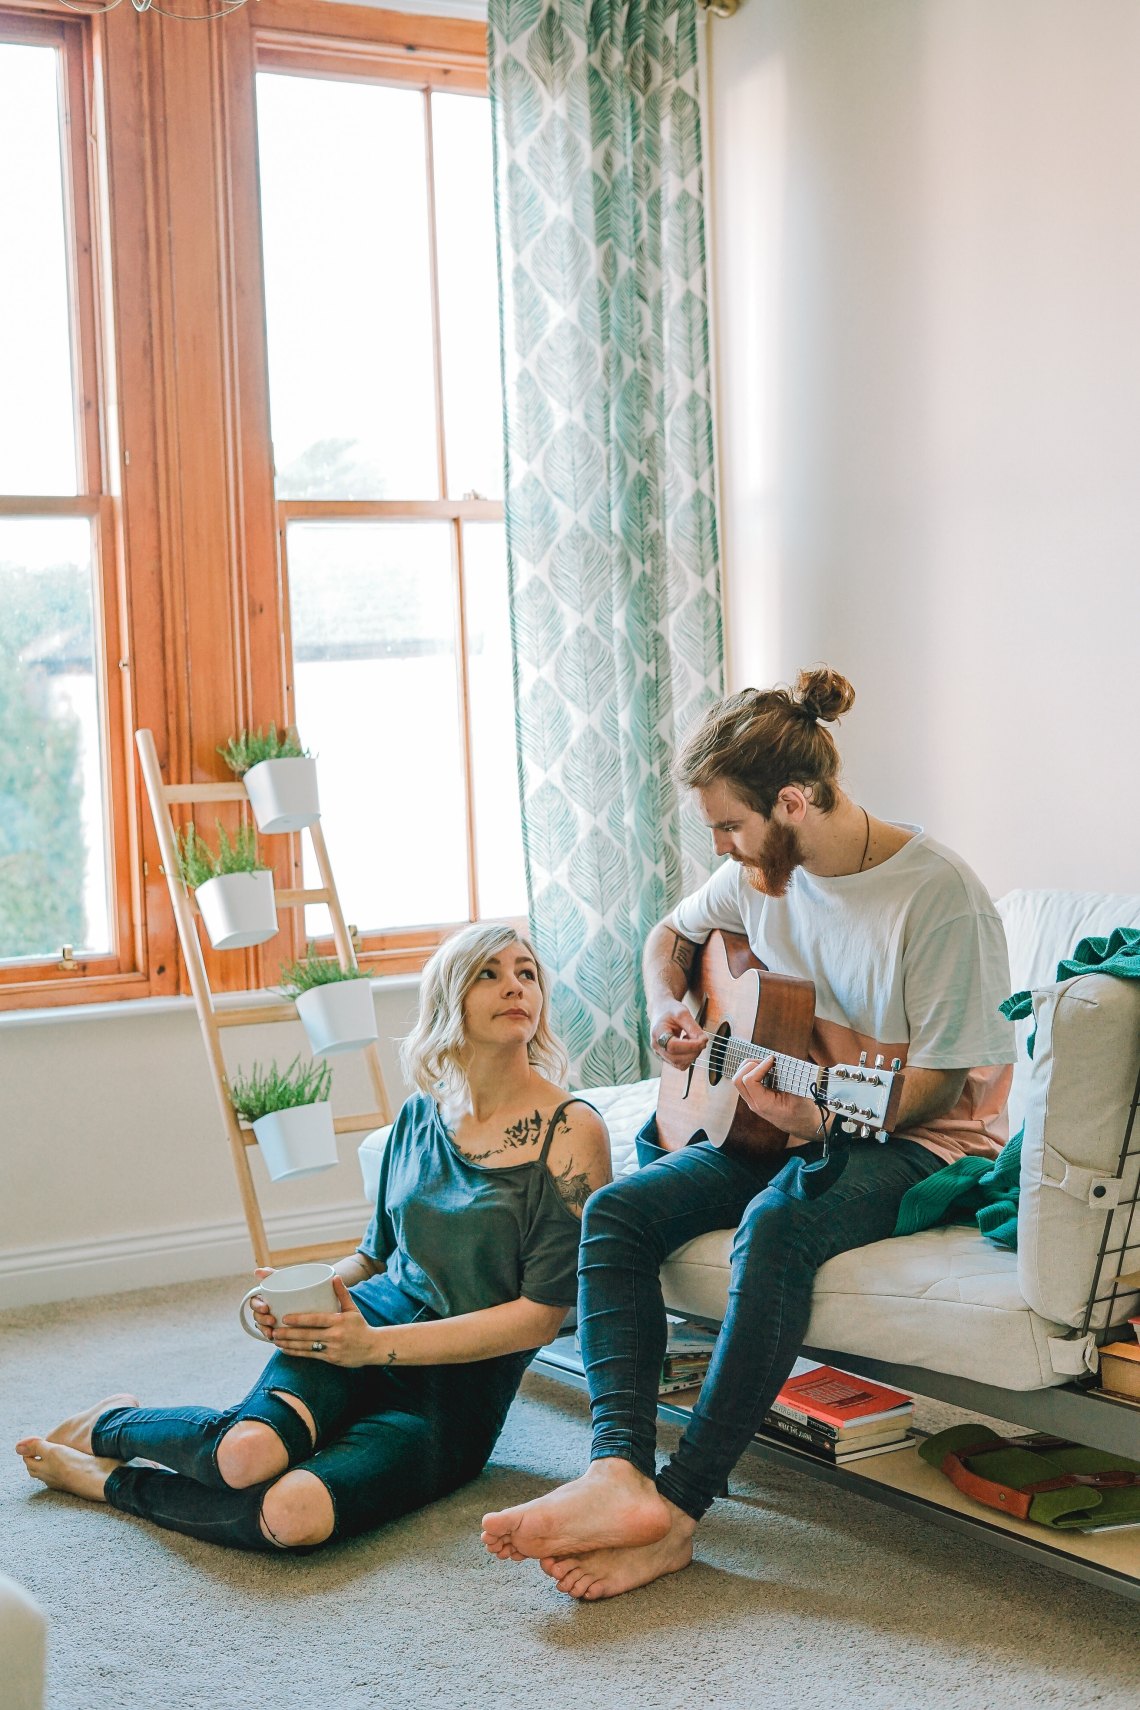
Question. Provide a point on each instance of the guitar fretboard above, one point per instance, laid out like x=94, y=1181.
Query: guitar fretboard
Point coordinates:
x=726, y=1054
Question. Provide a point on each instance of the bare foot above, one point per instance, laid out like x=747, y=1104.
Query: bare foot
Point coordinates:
x=75, y=1433
x=62, y=1468
x=612, y=1505
x=607, y=1573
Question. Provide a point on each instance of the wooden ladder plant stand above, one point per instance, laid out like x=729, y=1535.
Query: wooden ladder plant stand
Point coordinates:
x=241, y=1137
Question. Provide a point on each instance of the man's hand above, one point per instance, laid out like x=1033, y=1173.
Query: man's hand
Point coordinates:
x=798, y=1118
x=677, y=1039
x=348, y=1338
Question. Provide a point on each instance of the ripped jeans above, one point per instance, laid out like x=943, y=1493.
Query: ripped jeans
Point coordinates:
x=388, y=1441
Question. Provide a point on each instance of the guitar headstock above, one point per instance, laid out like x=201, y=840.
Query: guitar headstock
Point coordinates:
x=865, y=1096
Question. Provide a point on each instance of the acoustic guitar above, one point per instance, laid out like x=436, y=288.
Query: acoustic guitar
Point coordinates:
x=748, y=1014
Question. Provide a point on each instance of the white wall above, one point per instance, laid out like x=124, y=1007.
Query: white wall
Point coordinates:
x=926, y=245
x=927, y=283
x=115, y=1170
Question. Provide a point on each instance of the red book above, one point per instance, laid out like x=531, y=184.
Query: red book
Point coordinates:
x=839, y=1398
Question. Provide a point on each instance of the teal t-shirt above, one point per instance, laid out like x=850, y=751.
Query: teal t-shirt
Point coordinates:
x=458, y=1236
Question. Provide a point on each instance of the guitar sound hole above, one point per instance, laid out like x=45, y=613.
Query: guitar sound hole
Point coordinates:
x=717, y=1054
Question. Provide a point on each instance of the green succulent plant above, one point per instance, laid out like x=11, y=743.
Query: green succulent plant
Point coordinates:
x=253, y=746
x=197, y=862
x=313, y=970
x=267, y=1088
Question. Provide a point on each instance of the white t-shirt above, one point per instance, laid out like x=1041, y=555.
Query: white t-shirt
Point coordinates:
x=909, y=959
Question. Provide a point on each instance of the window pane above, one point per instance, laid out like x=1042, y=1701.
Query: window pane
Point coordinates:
x=373, y=617
x=37, y=412
x=498, y=829
x=53, y=847
x=468, y=294
x=347, y=286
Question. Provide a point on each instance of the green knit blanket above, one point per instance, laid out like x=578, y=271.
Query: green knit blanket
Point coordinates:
x=981, y=1190
x=984, y=1190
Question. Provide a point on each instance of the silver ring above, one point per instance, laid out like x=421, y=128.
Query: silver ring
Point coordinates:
x=318, y=1347
x=663, y=1041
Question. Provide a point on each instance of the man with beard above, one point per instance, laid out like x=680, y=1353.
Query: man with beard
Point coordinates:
x=909, y=960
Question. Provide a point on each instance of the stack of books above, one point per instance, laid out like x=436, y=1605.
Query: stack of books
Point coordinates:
x=1120, y=1371
x=837, y=1417
x=687, y=1355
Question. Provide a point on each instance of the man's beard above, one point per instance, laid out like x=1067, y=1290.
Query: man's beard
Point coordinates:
x=771, y=871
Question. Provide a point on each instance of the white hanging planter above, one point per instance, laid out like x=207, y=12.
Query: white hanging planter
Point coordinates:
x=238, y=909
x=299, y=1141
x=340, y=1016
x=283, y=793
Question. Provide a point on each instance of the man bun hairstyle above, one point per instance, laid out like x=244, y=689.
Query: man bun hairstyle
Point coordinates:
x=823, y=693
x=758, y=740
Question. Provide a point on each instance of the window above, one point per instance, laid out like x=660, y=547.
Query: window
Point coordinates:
x=386, y=411
x=61, y=733
x=167, y=560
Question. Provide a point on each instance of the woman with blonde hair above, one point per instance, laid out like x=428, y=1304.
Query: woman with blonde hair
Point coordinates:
x=467, y=1267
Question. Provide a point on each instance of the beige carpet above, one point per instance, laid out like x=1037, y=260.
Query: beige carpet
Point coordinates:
x=803, y=1595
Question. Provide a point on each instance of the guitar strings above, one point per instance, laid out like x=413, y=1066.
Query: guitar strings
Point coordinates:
x=728, y=1054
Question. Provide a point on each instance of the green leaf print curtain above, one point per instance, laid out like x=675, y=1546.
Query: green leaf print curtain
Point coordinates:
x=611, y=529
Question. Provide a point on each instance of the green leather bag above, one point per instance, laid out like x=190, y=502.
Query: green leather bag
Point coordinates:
x=1040, y=1478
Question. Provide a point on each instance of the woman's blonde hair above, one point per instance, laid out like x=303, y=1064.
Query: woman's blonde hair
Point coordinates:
x=432, y=1056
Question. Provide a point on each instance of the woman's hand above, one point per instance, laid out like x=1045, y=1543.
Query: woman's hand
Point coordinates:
x=798, y=1118
x=262, y=1316
x=348, y=1339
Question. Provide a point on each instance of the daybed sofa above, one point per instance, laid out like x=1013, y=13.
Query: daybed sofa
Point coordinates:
x=945, y=1311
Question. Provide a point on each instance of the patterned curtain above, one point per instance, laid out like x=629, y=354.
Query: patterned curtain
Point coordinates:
x=611, y=529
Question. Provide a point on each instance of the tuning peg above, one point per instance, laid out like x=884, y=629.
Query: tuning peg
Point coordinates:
x=879, y=1061
x=862, y=1058
x=864, y=1132
x=882, y=1135
x=896, y=1065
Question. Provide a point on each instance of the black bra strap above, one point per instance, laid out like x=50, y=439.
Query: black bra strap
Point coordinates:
x=552, y=1126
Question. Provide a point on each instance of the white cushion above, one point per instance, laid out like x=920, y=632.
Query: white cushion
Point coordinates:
x=945, y=1299
x=624, y=1110
x=370, y=1152
x=1085, y=1064
x=1043, y=928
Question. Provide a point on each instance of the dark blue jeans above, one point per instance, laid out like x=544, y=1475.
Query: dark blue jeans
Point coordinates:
x=784, y=1232
x=388, y=1440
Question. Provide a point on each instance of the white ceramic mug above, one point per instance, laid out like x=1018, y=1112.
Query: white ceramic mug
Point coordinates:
x=294, y=1288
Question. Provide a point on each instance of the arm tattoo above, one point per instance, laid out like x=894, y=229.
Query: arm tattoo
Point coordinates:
x=682, y=953
x=391, y=1357
x=573, y=1187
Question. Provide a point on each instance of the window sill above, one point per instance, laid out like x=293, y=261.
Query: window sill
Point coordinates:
x=154, y=1006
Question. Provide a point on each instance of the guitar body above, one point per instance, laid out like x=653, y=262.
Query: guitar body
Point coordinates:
x=734, y=995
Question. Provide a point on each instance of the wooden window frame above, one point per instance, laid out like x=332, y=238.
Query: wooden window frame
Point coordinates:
x=168, y=298
x=118, y=972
